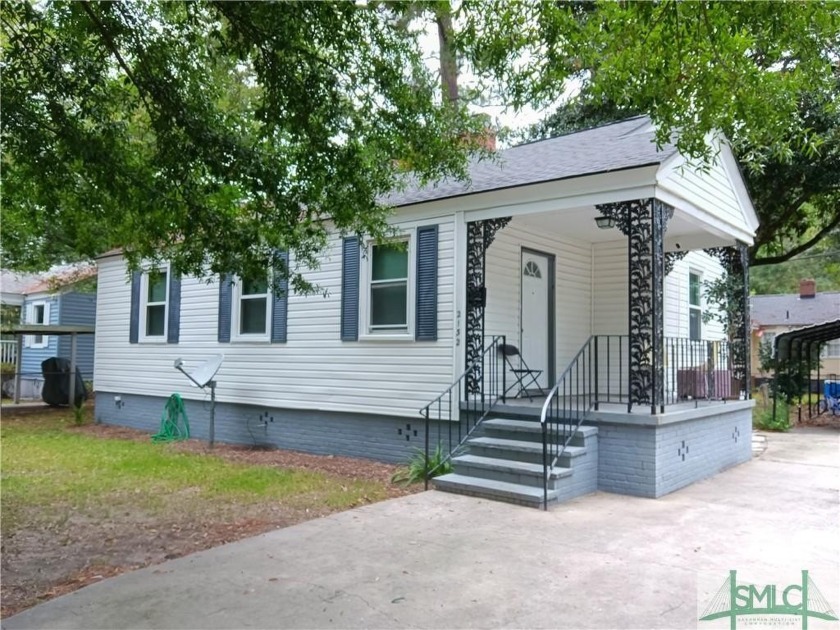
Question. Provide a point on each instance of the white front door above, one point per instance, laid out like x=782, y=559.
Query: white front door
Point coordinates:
x=536, y=292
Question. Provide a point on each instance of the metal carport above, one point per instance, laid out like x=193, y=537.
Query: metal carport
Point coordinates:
x=797, y=345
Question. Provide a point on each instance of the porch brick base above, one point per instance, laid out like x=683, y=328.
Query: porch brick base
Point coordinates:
x=652, y=461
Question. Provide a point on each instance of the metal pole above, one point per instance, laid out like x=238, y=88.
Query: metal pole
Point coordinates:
x=18, y=367
x=72, y=389
x=819, y=385
x=212, y=386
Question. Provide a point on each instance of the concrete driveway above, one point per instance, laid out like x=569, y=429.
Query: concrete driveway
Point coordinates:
x=442, y=561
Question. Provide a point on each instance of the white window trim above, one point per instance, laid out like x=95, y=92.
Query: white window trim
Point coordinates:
x=235, y=308
x=29, y=340
x=365, y=331
x=144, y=303
x=695, y=307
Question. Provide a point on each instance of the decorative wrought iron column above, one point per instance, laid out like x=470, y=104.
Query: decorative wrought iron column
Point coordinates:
x=736, y=264
x=644, y=221
x=480, y=235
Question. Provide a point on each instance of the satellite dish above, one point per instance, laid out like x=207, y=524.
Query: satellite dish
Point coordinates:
x=203, y=375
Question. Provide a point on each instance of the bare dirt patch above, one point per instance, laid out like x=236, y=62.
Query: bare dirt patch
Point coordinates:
x=60, y=548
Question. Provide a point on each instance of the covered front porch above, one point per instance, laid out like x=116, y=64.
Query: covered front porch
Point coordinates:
x=584, y=328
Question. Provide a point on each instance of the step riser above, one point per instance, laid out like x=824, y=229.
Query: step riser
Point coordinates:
x=480, y=493
x=526, y=479
x=525, y=436
x=501, y=453
x=517, y=456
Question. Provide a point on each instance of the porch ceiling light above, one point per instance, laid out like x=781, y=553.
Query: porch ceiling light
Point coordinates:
x=605, y=223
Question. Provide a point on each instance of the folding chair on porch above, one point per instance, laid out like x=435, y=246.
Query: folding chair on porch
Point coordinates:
x=525, y=376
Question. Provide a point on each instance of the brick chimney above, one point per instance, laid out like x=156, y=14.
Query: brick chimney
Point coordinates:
x=807, y=289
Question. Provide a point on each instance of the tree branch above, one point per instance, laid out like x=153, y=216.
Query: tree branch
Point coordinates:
x=773, y=260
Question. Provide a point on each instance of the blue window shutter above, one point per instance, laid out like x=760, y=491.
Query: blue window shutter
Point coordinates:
x=225, y=299
x=350, y=289
x=134, y=320
x=425, y=319
x=280, y=307
x=173, y=326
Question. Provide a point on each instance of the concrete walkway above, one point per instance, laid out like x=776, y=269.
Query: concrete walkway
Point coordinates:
x=442, y=561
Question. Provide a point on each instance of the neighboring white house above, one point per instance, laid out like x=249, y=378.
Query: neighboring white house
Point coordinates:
x=516, y=252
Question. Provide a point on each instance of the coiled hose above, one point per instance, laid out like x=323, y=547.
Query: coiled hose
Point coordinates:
x=174, y=424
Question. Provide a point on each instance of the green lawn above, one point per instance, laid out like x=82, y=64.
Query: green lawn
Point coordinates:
x=75, y=503
x=47, y=461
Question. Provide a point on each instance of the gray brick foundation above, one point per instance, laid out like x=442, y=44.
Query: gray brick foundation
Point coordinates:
x=653, y=456
x=382, y=438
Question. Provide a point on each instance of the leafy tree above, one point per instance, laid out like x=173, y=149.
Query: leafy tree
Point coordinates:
x=821, y=262
x=214, y=134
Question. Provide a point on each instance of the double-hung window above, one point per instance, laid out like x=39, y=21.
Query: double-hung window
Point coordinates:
x=695, y=309
x=387, y=299
x=251, y=303
x=154, y=304
x=389, y=287
x=38, y=313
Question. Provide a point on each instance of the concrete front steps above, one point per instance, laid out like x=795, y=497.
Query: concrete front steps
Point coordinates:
x=504, y=463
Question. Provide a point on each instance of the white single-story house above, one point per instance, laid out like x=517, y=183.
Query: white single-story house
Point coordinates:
x=586, y=251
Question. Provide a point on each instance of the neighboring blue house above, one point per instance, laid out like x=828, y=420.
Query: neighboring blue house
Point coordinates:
x=44, y=304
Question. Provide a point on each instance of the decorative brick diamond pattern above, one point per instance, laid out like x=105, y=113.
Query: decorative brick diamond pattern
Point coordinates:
x=408, y=432
x=736, y=434
x=682, y=451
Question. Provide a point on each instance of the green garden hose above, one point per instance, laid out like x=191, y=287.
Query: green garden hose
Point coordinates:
x=174, y=424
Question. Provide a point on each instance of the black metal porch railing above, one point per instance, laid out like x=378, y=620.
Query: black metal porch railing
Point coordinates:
x=692, y=371
x=698, y=370
x=463, y=405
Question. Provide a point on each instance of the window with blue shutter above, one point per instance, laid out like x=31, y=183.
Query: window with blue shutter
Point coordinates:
x=351, y=256
x=427, y=270
x=225, y=303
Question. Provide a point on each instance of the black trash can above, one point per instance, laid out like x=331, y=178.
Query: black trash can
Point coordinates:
x=56, y=390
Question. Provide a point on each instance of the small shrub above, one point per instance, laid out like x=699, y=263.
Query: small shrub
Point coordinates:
x=763, y=417
x=415, y=471
x=7, y=370
x=79, y=415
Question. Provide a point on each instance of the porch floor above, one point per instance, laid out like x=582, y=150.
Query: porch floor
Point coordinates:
x=533, y=407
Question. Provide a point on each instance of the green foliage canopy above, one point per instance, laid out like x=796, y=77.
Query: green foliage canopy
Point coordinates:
x=215, y=134
x=211, y=134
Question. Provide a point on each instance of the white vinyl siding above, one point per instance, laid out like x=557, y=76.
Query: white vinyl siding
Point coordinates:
x=572, y=291
x=314, y=369
x=711, y=190
x=610, y=297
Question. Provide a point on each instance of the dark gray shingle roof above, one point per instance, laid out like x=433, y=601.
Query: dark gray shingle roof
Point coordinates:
x=791, y=310
x=612, y=147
